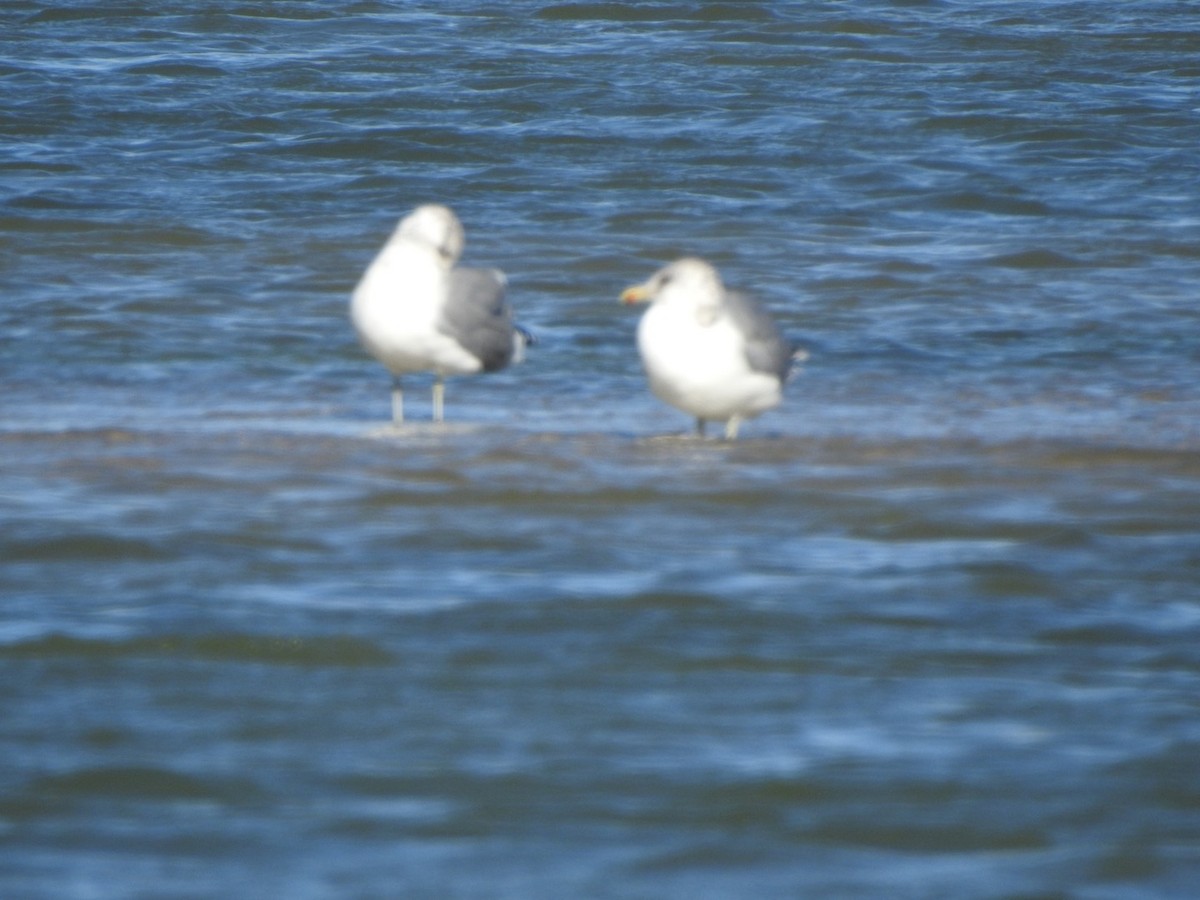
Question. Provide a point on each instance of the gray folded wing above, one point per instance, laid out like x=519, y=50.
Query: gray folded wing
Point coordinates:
x=476, y=315
x=767, y=350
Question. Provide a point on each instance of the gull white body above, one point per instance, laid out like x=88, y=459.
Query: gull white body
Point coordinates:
x=709, y=352
x=396, y=308
x=702, y=369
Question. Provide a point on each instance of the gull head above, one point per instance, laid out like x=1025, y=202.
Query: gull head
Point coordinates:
x=435, y=226
x=689, y=282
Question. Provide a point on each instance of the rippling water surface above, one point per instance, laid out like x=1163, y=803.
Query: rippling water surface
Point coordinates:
x=929, y=630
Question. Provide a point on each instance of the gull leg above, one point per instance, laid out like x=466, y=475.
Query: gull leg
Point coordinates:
x=731, y=428
x=700, y=428
x=397, y=402
x=439, y=398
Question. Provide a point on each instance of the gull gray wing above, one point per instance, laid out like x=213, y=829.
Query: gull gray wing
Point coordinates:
x=477, y=316
x=767, y=350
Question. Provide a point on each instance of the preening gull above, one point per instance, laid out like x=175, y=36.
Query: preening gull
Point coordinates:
x=415, y=312
x=710, y=352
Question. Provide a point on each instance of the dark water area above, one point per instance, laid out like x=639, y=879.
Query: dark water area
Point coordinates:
x=929, y=629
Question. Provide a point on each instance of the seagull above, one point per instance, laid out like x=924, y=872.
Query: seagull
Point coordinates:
x=415, y=312
x=710, y=352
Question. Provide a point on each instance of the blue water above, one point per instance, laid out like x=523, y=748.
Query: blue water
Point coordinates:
x=929, y=629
